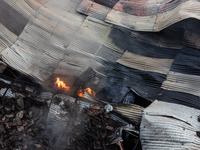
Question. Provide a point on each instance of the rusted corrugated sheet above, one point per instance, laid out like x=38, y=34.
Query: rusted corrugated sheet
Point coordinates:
x=145, y=16
x=93, y=9
x=146, y=8
x=167, y=126
x=142, y=15
x=170, y=37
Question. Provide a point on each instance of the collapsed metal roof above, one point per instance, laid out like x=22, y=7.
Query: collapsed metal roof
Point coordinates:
x=44, y=38
x=142, y=15
x=50, y=37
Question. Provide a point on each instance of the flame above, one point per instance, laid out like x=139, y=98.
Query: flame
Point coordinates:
x=90, y=91
x=81, y=92
x=61, y=84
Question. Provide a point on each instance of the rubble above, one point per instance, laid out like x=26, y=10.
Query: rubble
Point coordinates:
x=73, y=126
x=17, y=127
x=35, y=119
x=20, y=102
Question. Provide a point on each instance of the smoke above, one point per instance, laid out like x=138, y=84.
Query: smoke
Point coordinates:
x=65, y=122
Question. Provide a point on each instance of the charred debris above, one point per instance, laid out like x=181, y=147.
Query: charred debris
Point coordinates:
x=32, y=117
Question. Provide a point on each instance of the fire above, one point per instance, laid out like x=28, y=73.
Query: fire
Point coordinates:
x=90, y=91
x=61, y=84
x=81, y=92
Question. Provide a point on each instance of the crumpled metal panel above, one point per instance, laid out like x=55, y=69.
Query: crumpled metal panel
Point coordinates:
x=167, y=126
x=130, y=111
x=57, y=40
x=145, y=8
x=172, y=37
x=41, y=45
x=134, y=15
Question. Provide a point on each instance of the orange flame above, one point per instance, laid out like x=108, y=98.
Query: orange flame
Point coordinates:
x=81, y=92
x=61, y=84
x=90, y=91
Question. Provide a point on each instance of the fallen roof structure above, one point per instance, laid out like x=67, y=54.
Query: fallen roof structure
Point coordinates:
x=104, y=44
x=142, y=15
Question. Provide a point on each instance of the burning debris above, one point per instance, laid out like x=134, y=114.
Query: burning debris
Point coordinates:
x=80, y=92
x=32, y=119
x=88, y=125
x=61, y=84
x=103, y=73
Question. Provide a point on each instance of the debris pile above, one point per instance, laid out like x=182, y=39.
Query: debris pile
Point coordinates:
x=31, y=118
x=21, y=124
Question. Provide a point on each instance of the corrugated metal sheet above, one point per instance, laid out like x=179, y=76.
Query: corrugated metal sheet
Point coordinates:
x=23, y=65
x=131, y=111
x=14, y=16
x=144, y=23
x=26, y=9
x=172, y=37
x=57, y=40
x=96, y=39
x=41, y=45
x=161, y=39
x=145, y=63
x=167, y=126
x=35, y=4
x=150, y=18
x=192, y=39
x=7, y=38
x=93, y=9
x=116, y=118
x=146, y=8
x=182, y=82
